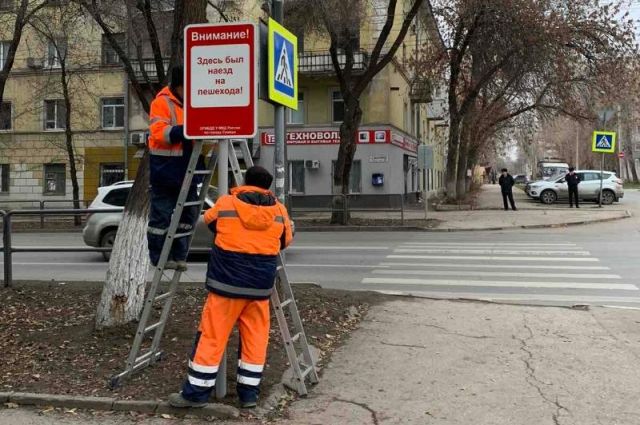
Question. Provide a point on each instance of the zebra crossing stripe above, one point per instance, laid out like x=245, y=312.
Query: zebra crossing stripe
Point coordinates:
x=498, y=274
x=495, y=258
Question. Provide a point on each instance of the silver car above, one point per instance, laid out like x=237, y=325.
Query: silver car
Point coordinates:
x=101, y=228
x=555, y=189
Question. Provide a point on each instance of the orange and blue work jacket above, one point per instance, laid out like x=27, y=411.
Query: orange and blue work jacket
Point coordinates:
x=250, y=228
x=170, y=151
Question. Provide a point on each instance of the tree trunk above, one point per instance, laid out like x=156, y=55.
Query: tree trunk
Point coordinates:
x=346, y=152
x=461, y=175
x=452, y=158
x=68, y=136
x=123, y=293
x=122, y=296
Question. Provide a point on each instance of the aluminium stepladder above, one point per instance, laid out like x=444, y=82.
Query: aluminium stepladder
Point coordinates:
x=303, y=366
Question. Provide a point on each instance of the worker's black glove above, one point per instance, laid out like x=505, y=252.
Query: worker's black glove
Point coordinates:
x=176, y=135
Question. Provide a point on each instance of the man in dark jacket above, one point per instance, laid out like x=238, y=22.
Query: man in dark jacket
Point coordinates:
x=506, y=183
x=573, y=180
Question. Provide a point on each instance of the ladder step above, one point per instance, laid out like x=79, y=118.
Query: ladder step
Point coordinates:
x=182, y=235
x=286, y=302
x=307, y=370
x=202, y=172
x=162, y=297
x=143, y=357
x=296, y=337
x=152, y=327
x=192, y=204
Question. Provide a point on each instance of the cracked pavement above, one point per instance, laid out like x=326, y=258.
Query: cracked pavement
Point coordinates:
x=418, y=361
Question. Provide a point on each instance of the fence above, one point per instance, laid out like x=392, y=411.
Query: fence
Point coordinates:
x=8, y=249
x=41, y=205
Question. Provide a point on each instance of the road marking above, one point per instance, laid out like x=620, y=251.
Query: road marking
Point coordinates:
x=204, y=265
x=492, y=258
x=338, y=248
x=583, y=299
x=499, y=284
x=493, y=244
x=497, y=266
x=490, y=251
x=489, y=245
x=499, y=274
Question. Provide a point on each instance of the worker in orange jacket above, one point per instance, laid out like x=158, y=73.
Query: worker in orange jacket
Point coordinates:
x=170, y=152
x=250, y=228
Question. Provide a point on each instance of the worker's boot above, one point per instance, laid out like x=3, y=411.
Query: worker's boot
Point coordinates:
x=176, y=400
x=171, y=265
x=248, y=404
x=181, y=266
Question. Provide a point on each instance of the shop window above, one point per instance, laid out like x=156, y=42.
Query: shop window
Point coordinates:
x=111, y=173
x=54, y=179
x=5, y=116
x=4, y=178
x=296, y=177
x=109, y=55
x=54, y=114
x=355, y=179
x=337, y=106
x=113, y=113
x=297, y=117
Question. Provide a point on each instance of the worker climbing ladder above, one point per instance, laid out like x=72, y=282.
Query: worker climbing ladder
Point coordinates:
x=145, y=349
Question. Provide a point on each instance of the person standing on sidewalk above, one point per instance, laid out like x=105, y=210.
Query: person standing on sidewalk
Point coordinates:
x=251, y=228
x=506, y=182
x=573, y=180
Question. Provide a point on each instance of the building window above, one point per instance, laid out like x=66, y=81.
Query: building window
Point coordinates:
x=109, y=55
x=111, y=173
x=54, y=114
x=4, y=178
x=296, y=177
x=56, y=53
x=113, y=112
x=54, y=179
x=355, y=178
x=337, y=106
x=297, y=117
x=5, y=116
x=7, y=5
x=4, y=52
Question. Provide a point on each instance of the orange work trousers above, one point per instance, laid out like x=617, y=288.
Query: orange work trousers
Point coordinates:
x=219, y=316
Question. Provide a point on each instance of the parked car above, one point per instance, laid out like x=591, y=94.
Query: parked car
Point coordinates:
x=521, y=179
x=554, y=189
x=100, y=230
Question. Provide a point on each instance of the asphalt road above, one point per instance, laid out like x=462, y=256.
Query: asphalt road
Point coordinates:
x=594, y=264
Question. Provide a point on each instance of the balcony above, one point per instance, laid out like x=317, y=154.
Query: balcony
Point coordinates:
x=421, y=91
x=320, y=63
x=147, y=66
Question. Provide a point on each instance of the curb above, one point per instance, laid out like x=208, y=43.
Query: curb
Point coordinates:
x=217, y=410
x=303, y=228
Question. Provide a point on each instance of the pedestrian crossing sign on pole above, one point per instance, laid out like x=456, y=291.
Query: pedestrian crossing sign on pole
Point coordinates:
x=283, y=66
x=604, y=141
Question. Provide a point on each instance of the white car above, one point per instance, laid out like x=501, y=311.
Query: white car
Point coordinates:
x=554, y=189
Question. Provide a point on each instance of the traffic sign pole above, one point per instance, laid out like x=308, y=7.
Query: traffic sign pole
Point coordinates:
x=279, y=129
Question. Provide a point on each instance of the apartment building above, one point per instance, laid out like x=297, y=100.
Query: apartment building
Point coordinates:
x=108, y=123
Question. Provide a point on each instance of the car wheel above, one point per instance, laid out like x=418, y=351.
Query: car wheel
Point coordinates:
x=107, y=242
x=548, y=197
x=608, y=197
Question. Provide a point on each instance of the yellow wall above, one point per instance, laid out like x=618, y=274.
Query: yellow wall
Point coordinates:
x=93, y=157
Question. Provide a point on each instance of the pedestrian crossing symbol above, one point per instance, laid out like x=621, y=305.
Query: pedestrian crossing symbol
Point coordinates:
x=283, y=66
x=604, y=141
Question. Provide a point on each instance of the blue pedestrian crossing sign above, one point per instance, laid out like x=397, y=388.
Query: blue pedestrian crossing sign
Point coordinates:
x=283, y=66
x=604, y=142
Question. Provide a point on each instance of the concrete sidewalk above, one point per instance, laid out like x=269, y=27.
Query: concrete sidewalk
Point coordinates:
x=487, y=215
x=440, y=362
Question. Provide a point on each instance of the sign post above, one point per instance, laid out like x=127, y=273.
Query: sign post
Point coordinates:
x=282, y=87
x=221, y=98
x=603, y=142
x=425, y=162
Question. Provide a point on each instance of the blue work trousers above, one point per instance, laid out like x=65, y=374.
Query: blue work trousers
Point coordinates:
x=163, y=202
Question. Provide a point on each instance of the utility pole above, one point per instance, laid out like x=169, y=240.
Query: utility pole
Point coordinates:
x=620, y=149
x=279, y=129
